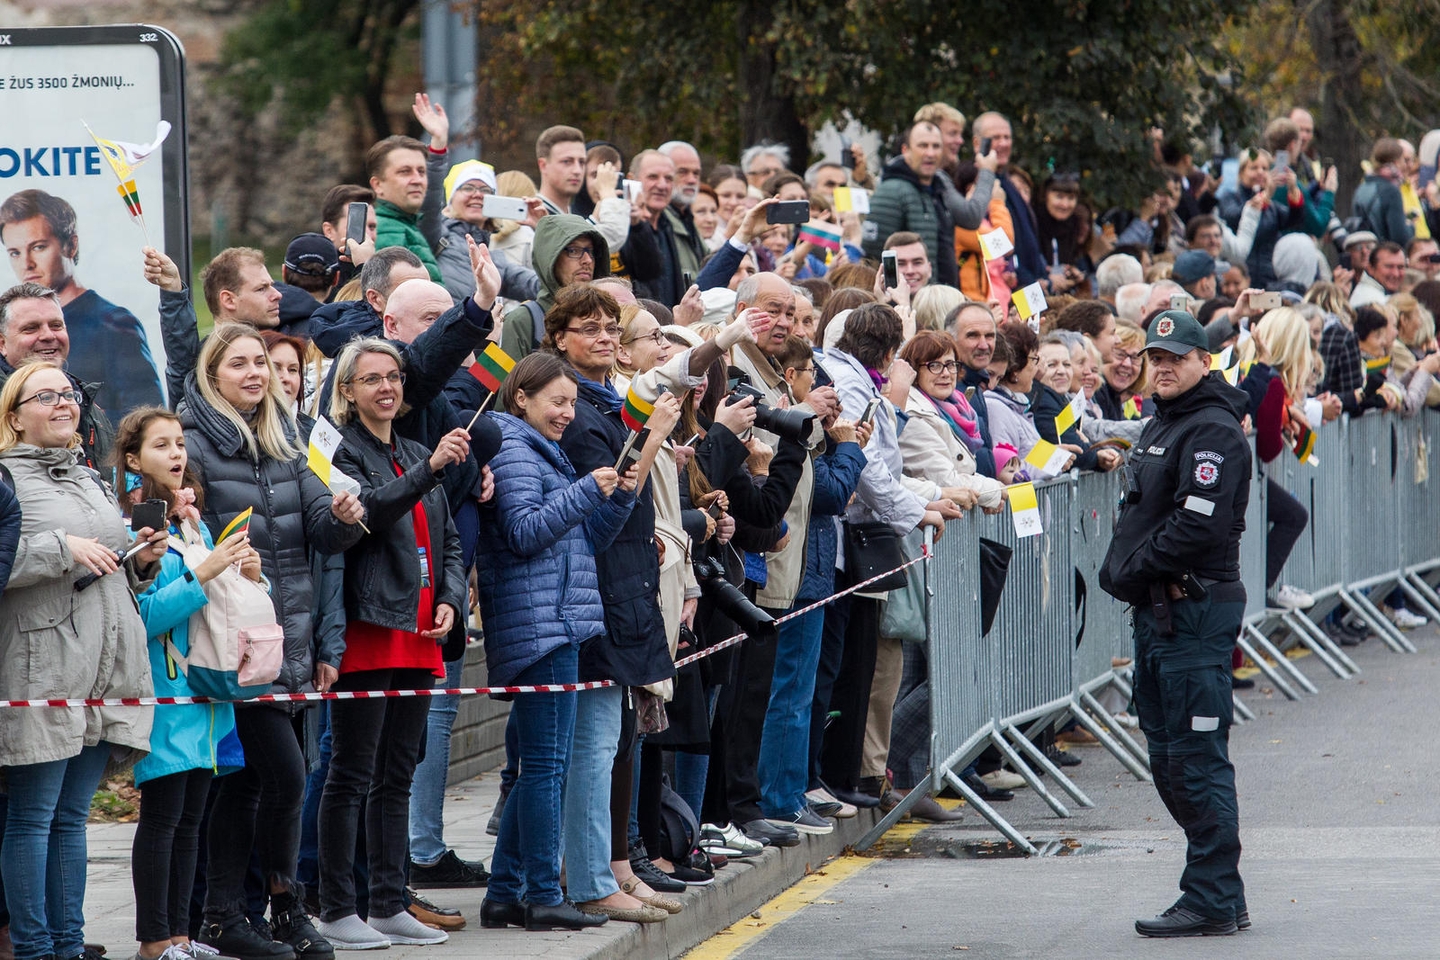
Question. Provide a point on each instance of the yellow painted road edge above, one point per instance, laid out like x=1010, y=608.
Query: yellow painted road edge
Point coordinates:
x=739, y=936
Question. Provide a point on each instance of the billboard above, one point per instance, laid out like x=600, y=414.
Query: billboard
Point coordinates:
x=81, y=191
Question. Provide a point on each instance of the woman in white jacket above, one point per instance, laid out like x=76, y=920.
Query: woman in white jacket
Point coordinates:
x=941, y=427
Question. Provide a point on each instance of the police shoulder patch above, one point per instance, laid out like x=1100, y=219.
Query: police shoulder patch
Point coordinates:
x=1207, y=474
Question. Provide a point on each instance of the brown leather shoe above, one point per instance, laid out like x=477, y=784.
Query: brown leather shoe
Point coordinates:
x=441, y=918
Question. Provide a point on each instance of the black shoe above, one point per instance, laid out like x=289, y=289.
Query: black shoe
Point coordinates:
x=1062, y=758
x=240, y=940
x=1180, y=922
x=771, y=834
x=1242, y=920
x=562, y=916
x=495, y=915
x=986, y=792
x=872, y=787
x=854, y=797
x=493, y=827
x=827, y=809
x=1241, y=683
x=654, y=878
x=289, y=923
x=448, y=871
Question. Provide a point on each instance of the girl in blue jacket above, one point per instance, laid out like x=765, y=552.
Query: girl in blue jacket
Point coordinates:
x=190, y=743
x=540, y=601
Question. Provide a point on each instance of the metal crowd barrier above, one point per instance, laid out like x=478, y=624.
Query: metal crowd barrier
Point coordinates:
x=1058, y=640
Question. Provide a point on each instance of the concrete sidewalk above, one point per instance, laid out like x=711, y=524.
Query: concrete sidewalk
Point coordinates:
x=739, y=888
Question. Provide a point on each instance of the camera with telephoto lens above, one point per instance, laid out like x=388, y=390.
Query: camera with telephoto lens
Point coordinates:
x=728, y=599
x=797, y=426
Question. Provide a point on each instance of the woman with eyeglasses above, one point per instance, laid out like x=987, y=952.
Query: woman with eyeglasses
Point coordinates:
x=1122, y=394
x=61, y=636
x=1050, y=396
x=404, y=589
x=246, y=452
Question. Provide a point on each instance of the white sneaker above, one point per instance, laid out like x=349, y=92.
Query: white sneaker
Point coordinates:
x=352, y=933
x=1406, y=620
x=821, y=795
x=1127, y=720
x=404, y=928
x=1290, y=598
x=1003, y=780
x=721, y=840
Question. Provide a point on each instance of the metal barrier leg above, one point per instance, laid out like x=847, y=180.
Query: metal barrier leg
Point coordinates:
x=1036, y=784
x=1419, y=599
x=1418, y=582
x=1243, y=713
x=893, y=817
x=1088, y=701
x=1283, y=661
x=1271, y=672
x=1049, y=766
x=1375, y=620
x=1310, y=634
x=988, y=812
x=1140, y=769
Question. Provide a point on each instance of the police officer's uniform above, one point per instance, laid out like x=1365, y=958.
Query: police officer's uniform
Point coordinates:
x=1175, y=556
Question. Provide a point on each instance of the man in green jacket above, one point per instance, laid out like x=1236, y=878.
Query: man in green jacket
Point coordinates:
x=911, y=197
x=567, y=250
x=407, y=179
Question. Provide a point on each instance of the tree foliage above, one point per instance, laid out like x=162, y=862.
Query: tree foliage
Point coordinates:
x=1082, y=80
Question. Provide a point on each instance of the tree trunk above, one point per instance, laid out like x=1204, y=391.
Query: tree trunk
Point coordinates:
x=1339, y=133
x=765, y=112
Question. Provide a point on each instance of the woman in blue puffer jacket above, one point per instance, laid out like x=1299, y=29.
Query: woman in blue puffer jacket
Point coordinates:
x=540, y=600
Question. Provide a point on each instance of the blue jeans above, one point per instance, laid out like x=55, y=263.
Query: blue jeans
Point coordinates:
x=527, y=854
x=587, y=795
x=308, y=870
x=44, y=856
x=785, y=743
x=427, y=794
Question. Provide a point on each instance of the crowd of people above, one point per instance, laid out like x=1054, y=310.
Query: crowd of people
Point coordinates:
x=628, y=421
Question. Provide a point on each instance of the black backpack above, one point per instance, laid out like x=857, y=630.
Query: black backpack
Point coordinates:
x=1359, y=218
x=679, y=828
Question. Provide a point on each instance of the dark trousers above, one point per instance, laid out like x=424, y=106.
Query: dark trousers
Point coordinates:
x=832, y=652
x=845, y=739
x=1287, y=519
x=269, y=790
x=1185, y=705
x=732, y=785
x=162, y=859
x=375, y=745
x=910, y=728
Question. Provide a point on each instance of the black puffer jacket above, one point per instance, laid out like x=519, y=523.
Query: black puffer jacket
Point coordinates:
x=292, y=508
x=382, y=571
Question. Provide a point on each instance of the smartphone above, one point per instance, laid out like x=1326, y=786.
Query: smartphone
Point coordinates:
x=1266, y=301
x=687, y=279
x=151, y=513
x=1282, y=160
x=1327, y=162
x=714, y=510
x=847, y=158
x=504, y=208
x=1180, y=302
x=633, y=189
x=984, y=146
x=355, y=216
x=692, y=441
x=788, y=211
x=1427, y=175
x=871, y=409
x=892, y=271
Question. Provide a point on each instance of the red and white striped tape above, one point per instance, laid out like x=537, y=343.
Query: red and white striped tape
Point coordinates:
x=714, y=648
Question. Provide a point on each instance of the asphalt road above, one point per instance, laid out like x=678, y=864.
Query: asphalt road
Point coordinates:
x=1339, y=820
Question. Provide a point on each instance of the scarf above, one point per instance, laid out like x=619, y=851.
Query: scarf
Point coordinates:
x=961, y=417
x=877, y=378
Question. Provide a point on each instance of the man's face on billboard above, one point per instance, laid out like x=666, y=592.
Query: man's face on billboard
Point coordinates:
x=36, y=256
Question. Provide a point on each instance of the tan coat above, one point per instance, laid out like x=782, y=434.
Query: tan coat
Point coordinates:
x=57, y=642
x=930, y=450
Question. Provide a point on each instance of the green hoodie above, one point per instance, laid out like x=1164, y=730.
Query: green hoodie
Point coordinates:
x=553, y=234
x=396, y=228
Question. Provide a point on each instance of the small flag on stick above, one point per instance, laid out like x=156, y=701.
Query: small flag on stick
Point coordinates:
x=1070, y=416
x=238, y=527
x=1132, y=409
x=1047, y=456
x=636, y=411
x=1025, y=510
x=1030, y=301
x=123, y=159
x=492, y=367
x=821, y=234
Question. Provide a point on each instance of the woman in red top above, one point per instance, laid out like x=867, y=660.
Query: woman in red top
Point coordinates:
x=404, y=589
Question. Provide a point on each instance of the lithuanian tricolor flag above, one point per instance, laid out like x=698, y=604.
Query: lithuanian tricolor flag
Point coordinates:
x=636, y=410
x=1132, y=409
x=123, y=158
x=492, y=367
x=1304, y=444
x=237, y=527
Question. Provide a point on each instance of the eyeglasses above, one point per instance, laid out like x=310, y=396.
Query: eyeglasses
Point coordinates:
x=576, y=252
x=473, y=186
x=375, y=379
x=594, y=330
x=654, y=336
x=938, y=367
x=1120, y=356
x=52, y=398
x=1034, y=358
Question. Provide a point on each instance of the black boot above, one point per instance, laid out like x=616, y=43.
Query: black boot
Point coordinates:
x=239, y=940
x=289, y=923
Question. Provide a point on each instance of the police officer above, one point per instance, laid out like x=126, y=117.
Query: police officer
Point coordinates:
x=1175, y=556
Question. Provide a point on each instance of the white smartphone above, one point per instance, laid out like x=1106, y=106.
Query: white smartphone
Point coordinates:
x=633, y=189
x=505, y=208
